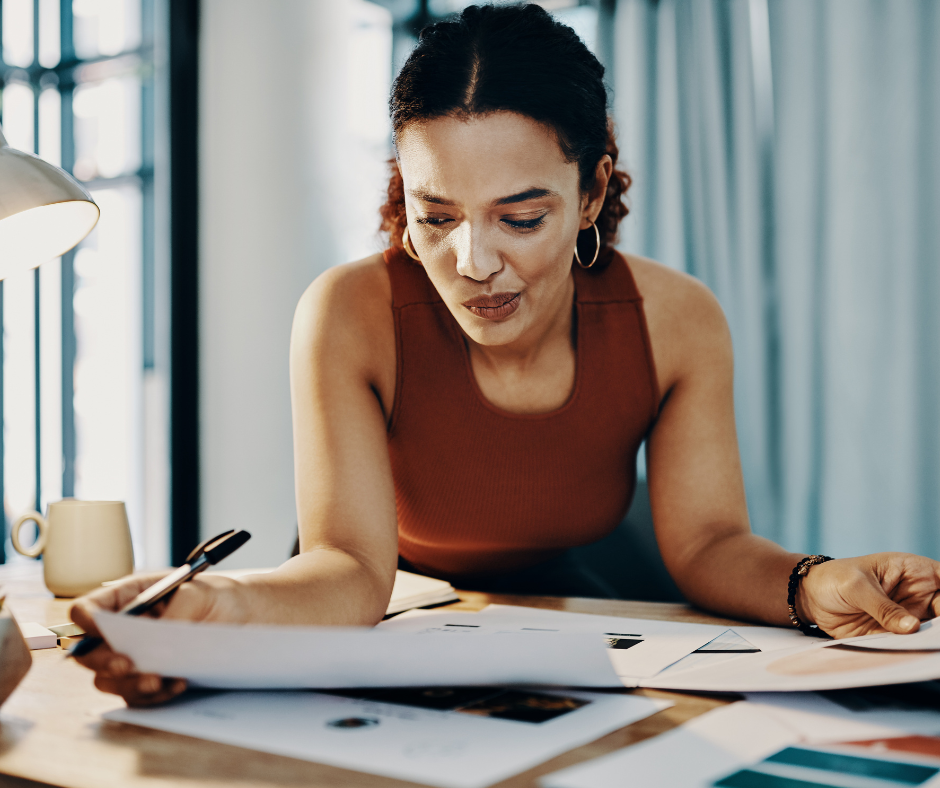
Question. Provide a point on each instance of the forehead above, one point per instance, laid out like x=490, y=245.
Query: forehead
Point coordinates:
x=483, y=158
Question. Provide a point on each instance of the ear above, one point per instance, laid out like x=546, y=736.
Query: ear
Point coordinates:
x=594, y=199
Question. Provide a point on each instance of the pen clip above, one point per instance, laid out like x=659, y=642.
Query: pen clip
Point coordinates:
x=199, y=549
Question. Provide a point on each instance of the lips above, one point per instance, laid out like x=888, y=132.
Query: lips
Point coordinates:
x=494, y=307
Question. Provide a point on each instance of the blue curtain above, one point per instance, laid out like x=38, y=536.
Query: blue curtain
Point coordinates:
x=787, y=153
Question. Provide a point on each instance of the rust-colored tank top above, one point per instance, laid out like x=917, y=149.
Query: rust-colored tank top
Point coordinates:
x=480, y=490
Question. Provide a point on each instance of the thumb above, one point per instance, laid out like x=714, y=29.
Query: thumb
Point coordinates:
x=894, y=618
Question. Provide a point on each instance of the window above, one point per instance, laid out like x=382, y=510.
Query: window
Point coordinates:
x=82, y=383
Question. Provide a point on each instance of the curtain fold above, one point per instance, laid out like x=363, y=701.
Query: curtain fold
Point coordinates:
x=786, y=153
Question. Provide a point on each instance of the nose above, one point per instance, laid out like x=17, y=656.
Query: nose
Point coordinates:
x=476, y=259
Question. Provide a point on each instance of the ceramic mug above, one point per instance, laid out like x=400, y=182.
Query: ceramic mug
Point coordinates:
x=82, y=543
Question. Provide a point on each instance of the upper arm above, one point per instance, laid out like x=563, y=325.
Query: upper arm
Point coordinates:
x=341, y=358
x=694, y=468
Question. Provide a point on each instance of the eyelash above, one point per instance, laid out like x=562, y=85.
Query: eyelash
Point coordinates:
x=516, y=224
x=526, y=224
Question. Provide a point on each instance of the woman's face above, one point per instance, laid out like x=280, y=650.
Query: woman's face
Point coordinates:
x=494, y=211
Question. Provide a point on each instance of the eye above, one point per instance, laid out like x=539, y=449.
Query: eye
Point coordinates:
x=433, y=221
x=525, y=224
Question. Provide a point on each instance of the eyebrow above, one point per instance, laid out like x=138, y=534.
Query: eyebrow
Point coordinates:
x=528, y=194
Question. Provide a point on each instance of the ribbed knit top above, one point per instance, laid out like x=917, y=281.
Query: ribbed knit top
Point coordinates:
x=479, y=490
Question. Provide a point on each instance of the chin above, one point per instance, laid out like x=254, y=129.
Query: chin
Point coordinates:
x=489, y=333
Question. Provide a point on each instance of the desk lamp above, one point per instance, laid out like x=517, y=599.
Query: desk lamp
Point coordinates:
x=44, y=212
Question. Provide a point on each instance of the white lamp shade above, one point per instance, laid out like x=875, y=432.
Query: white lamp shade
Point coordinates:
x=44, y=212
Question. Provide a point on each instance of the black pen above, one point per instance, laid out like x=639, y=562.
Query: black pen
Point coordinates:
x=201, y=558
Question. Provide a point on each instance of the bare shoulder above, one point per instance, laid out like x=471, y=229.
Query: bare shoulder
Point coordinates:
x=345, y=317
x=360, y=288
x=687, y=326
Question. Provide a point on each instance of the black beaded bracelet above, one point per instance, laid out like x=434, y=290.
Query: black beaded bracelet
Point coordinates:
x=796, y=576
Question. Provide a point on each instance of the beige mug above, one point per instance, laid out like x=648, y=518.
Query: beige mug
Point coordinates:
x=82, y=543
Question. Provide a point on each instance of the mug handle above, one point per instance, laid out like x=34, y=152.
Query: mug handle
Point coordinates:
x=40, y=544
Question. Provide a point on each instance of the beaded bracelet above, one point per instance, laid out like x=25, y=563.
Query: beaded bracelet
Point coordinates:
x=796, y=576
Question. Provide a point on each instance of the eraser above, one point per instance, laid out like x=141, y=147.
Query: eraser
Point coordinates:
x=67, y=630
x=37, y=636
x=67, y=642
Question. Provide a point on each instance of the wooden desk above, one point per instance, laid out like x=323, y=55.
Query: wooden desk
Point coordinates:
x=51, y=731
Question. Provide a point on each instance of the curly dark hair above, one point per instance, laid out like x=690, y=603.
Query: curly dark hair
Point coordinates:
x=514, y=58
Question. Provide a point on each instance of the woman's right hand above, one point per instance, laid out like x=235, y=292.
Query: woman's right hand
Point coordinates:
x=202, y=599
x=115, y=673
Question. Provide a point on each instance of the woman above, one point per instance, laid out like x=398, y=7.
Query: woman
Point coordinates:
x=471, y=402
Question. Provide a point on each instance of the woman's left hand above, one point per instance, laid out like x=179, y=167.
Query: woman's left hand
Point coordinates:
x=882, y=592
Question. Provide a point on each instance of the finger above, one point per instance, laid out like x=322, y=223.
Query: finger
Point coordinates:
x=870, y=597
x=129, y=688
x=103, y=660
x=109, y=598
x=171, y=688
x=934, y=606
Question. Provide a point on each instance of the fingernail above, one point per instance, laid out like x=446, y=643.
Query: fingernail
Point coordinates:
x=178, y=686
x=908, y=622
x=149, y=684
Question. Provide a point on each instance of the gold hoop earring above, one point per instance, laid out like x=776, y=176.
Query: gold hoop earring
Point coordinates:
x=409, y=247
x=597, y=251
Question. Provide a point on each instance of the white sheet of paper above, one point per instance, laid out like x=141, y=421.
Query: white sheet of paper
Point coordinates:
x=731, y=737
x=690, y=756
x=927, y=638
x=273, y=657
x=822, y=665
x=821, y=719
x=662, y=642
x=443, y=748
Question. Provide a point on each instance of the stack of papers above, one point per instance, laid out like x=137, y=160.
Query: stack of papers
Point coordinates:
x=461, y=700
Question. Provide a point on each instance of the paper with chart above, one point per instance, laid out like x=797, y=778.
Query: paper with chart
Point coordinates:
x=800, y=736
x=278, y=657
x=637, y=648
x=820, y=665
x=689, y=756
x=454, y=737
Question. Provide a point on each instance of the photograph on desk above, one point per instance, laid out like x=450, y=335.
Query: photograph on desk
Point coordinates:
x=452, y=737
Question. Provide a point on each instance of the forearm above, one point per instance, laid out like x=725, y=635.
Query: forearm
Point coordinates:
x=318, y=587
x=739, y=575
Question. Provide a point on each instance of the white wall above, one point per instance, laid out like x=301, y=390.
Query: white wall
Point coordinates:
x=290, y=176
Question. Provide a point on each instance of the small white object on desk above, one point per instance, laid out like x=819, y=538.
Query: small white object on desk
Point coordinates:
x=37, y=636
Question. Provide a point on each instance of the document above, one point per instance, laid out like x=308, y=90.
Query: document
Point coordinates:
x=843, y=765
x=820, y=665
x=276, y=657
x=864, y=713
x=768, y=739
x=637, y=648
x=690, y=756
x=453, y=737
x=927, y=638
